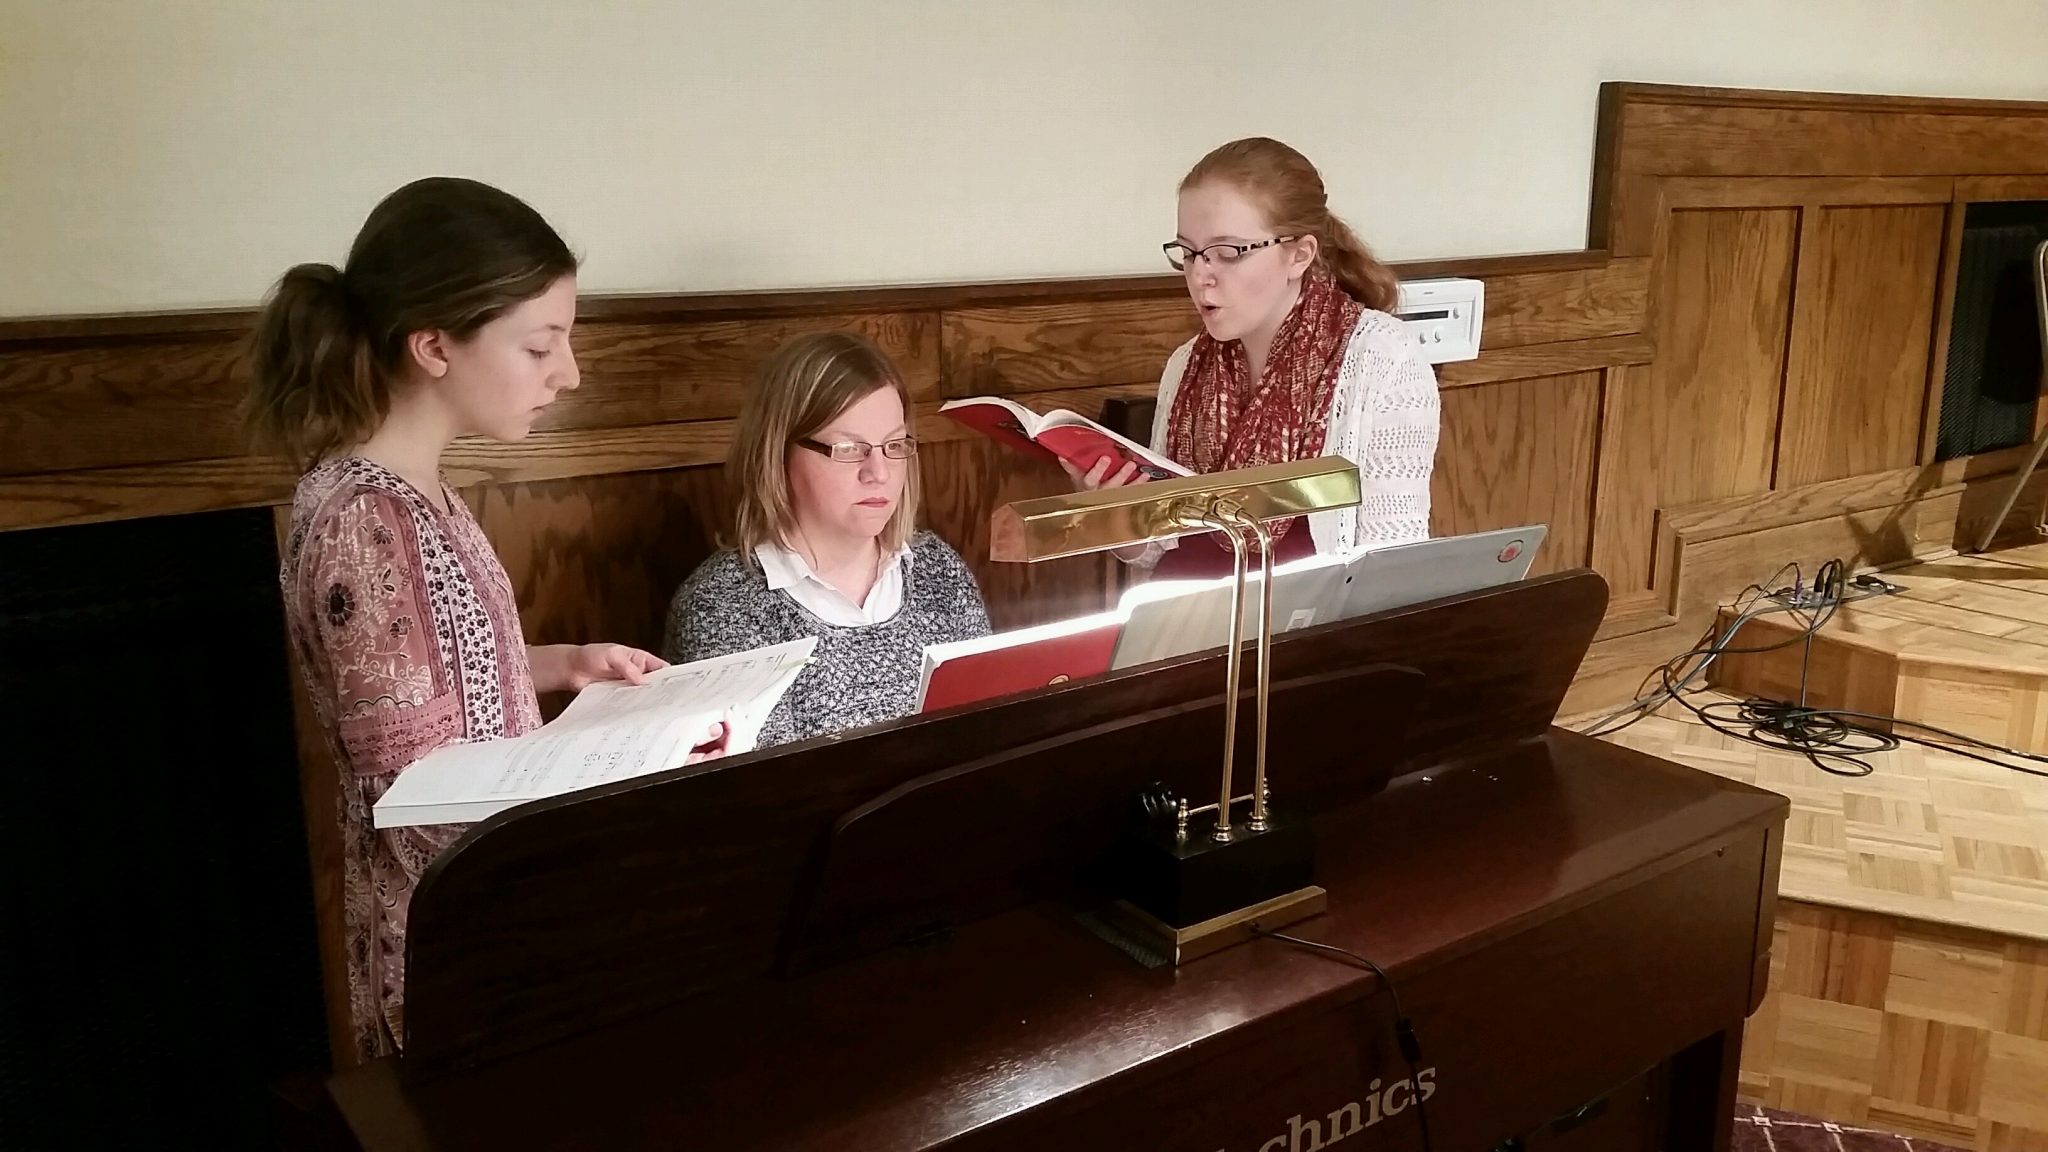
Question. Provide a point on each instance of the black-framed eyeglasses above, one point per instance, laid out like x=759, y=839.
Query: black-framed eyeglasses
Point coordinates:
x=1180, y=255
x=855, y=451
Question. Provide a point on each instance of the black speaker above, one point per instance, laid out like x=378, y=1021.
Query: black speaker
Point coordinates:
x=160, y=970
x=1994, y=349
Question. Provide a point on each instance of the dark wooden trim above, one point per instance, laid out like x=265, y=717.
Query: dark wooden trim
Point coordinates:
x=701, y=306
x=1827, y=499
x=1531, y=361
x=1481, y=267
x=1636, y=612
x=875, y=298
x=53, y=499
x=1608, y=125
x=1944, y=324
x=1973, y=189
x=144, y=399
x=1633, y=92
x=1814, y=192
x=119, y=325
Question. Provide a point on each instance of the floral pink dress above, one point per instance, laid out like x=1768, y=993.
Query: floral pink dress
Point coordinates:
x=407, y=634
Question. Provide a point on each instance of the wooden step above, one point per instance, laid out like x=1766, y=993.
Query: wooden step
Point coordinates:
x=1964, y=646
x=1928, y=834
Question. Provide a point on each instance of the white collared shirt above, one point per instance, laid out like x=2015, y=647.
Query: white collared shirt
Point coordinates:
x=788, y=572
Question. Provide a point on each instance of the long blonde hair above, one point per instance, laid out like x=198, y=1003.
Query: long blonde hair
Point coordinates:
x=807, y=383
x=1289, y=190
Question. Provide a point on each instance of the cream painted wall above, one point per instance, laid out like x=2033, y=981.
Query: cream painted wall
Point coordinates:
x=175, y=153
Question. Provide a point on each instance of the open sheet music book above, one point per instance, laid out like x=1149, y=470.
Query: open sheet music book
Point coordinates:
x=611, y=731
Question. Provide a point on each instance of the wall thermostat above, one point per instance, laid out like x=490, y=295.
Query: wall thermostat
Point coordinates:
x=1442, y=317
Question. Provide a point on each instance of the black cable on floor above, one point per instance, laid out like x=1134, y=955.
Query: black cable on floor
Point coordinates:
x=1834, y=740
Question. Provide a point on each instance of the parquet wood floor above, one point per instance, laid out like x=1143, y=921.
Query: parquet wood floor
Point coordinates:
x=1909, y=968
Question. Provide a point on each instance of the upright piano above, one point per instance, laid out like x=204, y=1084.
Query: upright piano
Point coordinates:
x=891, y=940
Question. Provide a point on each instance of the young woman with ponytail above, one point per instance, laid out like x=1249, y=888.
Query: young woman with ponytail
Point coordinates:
x=1298, y=358
x=451, y=318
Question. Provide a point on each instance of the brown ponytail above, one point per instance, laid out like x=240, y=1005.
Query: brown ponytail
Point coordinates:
x=440, y=254
x=1290, y=190
x=1361, y=274
x=317, y=388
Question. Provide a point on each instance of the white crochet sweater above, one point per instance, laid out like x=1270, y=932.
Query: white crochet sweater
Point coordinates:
x=1383, y=417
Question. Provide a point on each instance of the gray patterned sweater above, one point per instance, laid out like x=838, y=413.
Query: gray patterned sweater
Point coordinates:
x=859, y=676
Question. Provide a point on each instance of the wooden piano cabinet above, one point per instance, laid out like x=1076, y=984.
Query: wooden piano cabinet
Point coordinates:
x=1517, y=1026
x=1575, y=930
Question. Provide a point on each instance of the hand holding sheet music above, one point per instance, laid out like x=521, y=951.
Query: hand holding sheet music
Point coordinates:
x=611, y=731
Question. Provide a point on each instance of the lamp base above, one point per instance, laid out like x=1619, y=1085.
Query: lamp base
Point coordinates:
x=1183, y=880
x=1154, y=942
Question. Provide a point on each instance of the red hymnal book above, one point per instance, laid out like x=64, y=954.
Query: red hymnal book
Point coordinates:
x=1058, y=435
x=966, y=671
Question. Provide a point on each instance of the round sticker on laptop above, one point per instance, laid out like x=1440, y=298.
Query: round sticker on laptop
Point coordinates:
x=1508, y=553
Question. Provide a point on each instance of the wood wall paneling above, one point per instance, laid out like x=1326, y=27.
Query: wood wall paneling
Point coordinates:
x=597, y=558
x=1723, y=313
x=1717, y=187
x=1038, y=347
x=1796, y=191
x=1568, y=304
x=118, y=401
x=636, y=373
x=1741, y=255
x=57, y=498
x=1716, y=566
x=1972, y=189
x=1520, y=452
x=1706, y=552
x=1979, y=477
x=1721, y=133
x=1541, y=319
x=1532, y=360
x=966, y=480
x=92, y=403
x=1857, y=369
x=1944, y=308
x=1559, y=321
x=1631, y=449
x=110, y=417
x=49, y=499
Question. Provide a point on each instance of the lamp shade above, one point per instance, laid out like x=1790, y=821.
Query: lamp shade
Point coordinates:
x=1070, y=525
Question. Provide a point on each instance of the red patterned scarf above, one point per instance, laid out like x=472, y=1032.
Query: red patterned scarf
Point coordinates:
x=1222, y=420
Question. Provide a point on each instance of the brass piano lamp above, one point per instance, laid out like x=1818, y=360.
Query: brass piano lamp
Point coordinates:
x=1188, y=888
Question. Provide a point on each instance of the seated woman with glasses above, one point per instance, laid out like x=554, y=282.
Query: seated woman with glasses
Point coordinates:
x=825, y=544
x=1298, y=358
